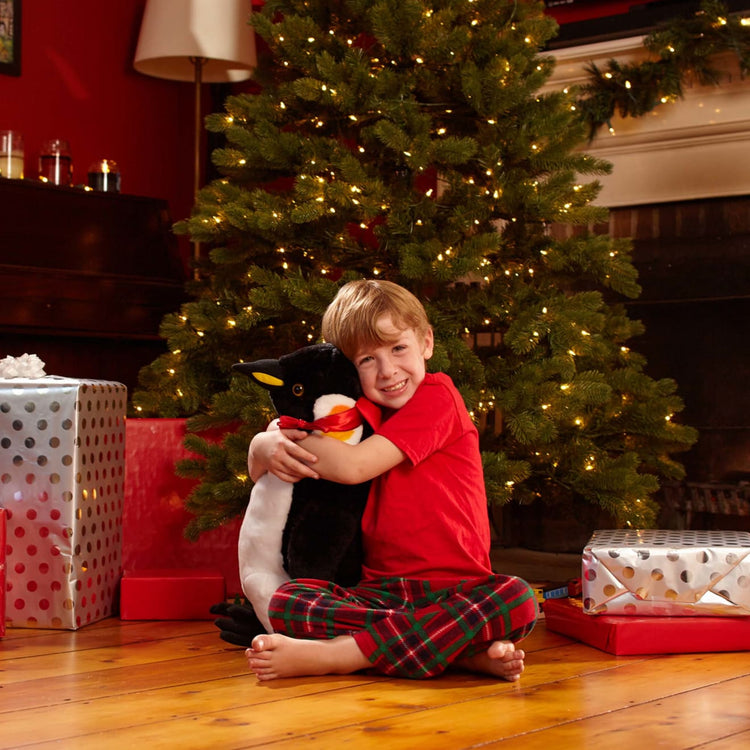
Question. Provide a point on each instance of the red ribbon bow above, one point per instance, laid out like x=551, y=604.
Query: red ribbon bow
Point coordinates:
x=340, y=421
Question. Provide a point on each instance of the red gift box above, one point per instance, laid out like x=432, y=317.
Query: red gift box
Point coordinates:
x=632, y=634
x=186, y=594
x=2, y=572
x=154, y=515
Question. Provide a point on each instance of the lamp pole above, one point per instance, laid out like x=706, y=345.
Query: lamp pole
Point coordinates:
x=198, y=63
x=178, y=39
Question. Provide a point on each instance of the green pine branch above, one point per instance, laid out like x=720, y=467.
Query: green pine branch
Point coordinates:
x=683, y=49
x=408, y=140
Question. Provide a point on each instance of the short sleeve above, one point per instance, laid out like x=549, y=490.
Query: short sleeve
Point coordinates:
x=430, y=420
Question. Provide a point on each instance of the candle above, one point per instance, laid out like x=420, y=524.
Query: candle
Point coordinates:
x=11, y=154
x=104, y=175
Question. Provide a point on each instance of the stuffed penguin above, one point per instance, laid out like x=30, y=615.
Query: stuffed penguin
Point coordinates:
x=312, y=528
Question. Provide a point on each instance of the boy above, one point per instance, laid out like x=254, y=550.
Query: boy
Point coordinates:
x=428, y=598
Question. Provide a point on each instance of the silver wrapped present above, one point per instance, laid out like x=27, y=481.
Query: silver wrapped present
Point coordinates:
x=668, y=573
x=62, y=471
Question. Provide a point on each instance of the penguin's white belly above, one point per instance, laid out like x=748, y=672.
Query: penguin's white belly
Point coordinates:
x=259, y=549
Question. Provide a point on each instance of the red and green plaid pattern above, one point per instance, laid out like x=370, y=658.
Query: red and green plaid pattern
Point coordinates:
x=408, y=628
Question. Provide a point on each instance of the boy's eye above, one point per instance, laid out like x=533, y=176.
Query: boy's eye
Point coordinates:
x=298, y=389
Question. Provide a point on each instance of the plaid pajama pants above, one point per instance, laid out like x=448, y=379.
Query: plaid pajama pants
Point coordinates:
x=408, y=628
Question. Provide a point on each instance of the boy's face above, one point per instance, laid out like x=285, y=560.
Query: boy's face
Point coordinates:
x=391, y=373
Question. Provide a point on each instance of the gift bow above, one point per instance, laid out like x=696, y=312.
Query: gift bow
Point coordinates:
x=25, y=366
x=341, y=421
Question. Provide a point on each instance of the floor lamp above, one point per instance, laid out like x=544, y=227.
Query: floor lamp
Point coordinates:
x=202, y=41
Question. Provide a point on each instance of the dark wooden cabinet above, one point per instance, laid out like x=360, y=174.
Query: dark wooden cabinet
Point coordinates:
x=86, y=278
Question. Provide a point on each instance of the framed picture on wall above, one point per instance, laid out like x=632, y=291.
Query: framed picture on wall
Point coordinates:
x=10, y=37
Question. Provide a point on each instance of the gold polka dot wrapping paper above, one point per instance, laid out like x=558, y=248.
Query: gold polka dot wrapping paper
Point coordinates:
x=62, y=471
x=666, y=573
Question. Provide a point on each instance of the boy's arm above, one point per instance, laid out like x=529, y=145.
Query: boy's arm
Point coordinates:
x=352, y=464
x=279, y=452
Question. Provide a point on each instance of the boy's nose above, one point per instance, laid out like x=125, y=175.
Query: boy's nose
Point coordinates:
x=387, y=367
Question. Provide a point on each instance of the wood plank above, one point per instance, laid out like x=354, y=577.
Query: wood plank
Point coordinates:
x=183, y=704
x=24, y=634
x=545, y=705
x=22, y=643
x=290, y=708
x=119, y=682
x=541, y=638
x=114, y=684
x=38, y=680
x=723, y=718
x=48, y=665
x=739, y=741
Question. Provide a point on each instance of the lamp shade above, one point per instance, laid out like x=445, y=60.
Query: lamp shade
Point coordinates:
x=215, y=31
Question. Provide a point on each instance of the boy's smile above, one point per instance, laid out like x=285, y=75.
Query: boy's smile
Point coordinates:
x=390, y=373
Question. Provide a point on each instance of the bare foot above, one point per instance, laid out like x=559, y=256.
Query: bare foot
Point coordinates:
x=274, y=655
x=502, y=659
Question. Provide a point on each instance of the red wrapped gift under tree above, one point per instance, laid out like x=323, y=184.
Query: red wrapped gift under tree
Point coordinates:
x=630, y=634
x=155, y=517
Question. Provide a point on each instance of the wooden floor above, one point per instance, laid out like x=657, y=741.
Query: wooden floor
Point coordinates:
x=148, y=685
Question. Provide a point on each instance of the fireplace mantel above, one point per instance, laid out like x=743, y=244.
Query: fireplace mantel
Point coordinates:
x=693, y=148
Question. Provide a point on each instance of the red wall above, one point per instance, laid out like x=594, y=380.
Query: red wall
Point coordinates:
x=77, y=82
x=583, y=10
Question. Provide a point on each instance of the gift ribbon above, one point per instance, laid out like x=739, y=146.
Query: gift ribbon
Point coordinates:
x=341, y=421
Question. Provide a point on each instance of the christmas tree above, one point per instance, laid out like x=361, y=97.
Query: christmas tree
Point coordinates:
x=408, y=140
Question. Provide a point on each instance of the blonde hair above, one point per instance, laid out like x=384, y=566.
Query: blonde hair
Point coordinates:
x=351, y=320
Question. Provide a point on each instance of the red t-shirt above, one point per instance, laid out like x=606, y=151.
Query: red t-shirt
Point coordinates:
x=427, y=517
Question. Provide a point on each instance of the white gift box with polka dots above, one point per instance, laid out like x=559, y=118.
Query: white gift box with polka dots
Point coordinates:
x=62, y=471
x=667, y=573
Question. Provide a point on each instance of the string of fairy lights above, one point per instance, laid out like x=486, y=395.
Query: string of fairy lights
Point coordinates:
x=322, y=188
x=681, y=49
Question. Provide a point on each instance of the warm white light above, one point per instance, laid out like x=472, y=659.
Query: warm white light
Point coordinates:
x=215, y=31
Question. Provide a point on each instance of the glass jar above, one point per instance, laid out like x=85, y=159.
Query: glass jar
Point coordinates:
x=11, y=154
x=104, y=175
x=56, y=162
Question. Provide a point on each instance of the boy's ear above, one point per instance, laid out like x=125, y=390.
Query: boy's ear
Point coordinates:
x=429, y=343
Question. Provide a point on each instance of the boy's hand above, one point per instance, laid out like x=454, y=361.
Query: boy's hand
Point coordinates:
x=278, y=451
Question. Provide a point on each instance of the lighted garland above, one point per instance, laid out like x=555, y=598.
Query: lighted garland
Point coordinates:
x=683, y=48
